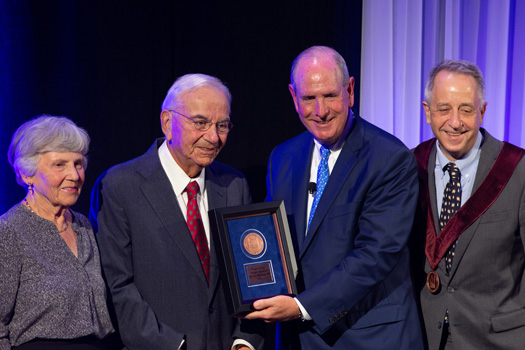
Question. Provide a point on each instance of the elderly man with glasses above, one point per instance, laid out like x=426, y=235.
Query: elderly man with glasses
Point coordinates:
x=150, y=215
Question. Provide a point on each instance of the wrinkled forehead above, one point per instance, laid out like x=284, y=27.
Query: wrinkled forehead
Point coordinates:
x=452, y=84
x=317, y=72
x=206, y=101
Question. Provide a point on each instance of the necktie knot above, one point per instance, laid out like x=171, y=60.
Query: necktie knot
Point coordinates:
x=325, y=153
x=192, y=189
x=453, y=170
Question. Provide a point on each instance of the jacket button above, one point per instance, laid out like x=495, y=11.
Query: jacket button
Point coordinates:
x=438, y=325
x=450, y=289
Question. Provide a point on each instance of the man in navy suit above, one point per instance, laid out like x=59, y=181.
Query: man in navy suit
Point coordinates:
x=355, y=290
x=166, y=292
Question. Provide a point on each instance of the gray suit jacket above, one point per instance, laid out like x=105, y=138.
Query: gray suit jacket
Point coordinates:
x=157, y=284
x=485, y=291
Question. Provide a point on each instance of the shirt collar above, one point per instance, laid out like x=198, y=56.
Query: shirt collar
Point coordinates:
x=341, y=141
x=178, y=178
x=469, y=158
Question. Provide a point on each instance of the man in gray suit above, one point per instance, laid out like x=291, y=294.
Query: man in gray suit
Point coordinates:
x=164, y=282
x=474, y=295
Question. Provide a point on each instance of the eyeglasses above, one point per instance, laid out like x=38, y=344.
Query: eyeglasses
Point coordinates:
x=203, y=124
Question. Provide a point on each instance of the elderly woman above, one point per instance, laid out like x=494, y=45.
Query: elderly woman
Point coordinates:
x=52, y=295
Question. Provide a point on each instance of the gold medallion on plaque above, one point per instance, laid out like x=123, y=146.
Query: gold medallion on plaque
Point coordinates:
x=253, y=243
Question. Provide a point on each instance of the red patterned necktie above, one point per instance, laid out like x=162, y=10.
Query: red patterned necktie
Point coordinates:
x=196, y=228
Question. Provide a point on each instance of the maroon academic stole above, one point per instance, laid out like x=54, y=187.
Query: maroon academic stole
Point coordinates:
x=436, y=246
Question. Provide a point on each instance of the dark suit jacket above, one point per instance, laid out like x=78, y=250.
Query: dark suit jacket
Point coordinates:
x=354, y=277
x=157, y=284
x=485, y=292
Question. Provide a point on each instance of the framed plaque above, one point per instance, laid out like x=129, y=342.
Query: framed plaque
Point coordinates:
x=255, y=253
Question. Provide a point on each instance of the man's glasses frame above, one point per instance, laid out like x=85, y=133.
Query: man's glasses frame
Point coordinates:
x=202, y=124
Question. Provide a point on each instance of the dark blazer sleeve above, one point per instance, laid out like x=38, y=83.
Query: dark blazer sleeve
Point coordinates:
x=384, y=224
x=354, y=258
x=111, y=225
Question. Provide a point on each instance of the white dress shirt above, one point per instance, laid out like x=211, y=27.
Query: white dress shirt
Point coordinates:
x=179, y=180
x=467, y=165
x=335, y=150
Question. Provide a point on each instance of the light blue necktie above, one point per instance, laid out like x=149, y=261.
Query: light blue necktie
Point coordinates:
x=322, y=179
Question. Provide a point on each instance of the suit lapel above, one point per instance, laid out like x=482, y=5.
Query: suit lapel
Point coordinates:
x=343, y=167
x=301, y=174
x=432, y=187
x=216, y=199
x=216, y=191
x=159, y=193
x=433, y=198
x=489, y=153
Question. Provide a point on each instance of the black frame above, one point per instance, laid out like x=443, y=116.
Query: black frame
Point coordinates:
x=223, y=245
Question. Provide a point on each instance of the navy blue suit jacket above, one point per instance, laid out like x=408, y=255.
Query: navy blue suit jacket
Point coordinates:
x=354, y=277
x=157, y=284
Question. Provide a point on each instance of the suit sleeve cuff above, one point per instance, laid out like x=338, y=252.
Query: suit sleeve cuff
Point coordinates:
x=305, y=316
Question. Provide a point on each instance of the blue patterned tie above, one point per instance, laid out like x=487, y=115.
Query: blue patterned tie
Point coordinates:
x=322, y=179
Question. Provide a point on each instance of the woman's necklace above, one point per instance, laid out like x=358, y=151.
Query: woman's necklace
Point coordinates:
x=29, y=207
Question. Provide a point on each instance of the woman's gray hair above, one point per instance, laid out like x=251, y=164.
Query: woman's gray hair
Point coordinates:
x=456, y=67
x=44, y=134
x=190, y=82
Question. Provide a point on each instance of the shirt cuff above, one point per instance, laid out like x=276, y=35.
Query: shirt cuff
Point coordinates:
x=305, y=316
x=239, y=342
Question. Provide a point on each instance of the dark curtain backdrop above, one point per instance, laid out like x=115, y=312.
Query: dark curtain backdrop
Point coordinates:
x=108, y=65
